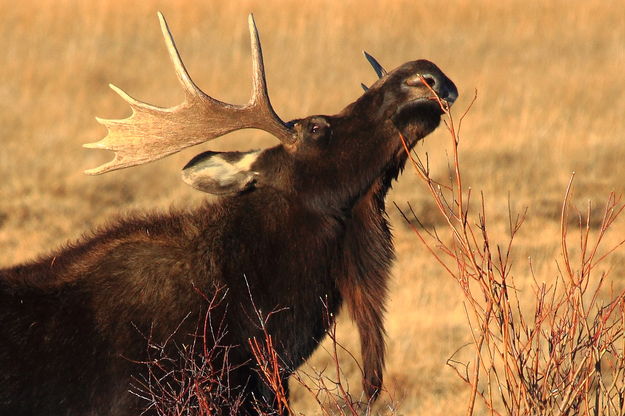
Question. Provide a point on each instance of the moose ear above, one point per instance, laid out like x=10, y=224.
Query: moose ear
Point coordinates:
x=224, y=173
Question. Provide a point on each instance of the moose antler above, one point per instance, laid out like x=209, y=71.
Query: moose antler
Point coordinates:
x=152, y=133
x=379, y=69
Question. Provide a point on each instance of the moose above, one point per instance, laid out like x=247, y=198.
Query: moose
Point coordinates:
x=299, y=228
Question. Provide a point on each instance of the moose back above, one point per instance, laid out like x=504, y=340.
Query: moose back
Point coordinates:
x=299, y=229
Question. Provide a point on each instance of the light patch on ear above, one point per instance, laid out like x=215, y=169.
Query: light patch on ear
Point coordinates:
x=221, y=173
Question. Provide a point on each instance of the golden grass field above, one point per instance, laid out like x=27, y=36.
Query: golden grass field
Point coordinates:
x=550, y=78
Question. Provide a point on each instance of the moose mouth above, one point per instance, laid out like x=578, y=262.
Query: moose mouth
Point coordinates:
x=421, y=104
x=417, y=118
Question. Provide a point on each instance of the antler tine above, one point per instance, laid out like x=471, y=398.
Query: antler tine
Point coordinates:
x=181, y=71
x=259, y=82
x=379, y=70
x=151, y=133
x=260, y=95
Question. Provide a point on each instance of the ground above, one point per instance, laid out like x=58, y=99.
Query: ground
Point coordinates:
x=549, y=80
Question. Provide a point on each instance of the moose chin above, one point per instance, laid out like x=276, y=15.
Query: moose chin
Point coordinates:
x=299, y=230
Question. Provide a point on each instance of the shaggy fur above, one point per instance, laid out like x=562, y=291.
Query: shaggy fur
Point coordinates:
x=310, y=234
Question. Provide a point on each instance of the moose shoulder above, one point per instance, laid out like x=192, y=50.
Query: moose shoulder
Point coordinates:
x=300, y=229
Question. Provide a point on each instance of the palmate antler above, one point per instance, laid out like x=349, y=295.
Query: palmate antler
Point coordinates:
x=152, y=133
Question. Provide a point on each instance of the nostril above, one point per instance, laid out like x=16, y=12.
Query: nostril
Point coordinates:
x=436, y=81
x=429, y=79
x=417, y=80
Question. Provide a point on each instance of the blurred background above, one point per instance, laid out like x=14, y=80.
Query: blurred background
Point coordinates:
x=549, y=77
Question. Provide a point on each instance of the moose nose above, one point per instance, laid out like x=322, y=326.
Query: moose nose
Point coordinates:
x=441, y=85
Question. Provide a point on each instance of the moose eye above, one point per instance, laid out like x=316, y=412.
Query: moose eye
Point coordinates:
x=317, y=130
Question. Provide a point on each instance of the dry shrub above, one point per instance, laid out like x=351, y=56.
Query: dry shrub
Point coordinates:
x=194, y=380
x=191, y=379
x=560, y=351
x=328, y=387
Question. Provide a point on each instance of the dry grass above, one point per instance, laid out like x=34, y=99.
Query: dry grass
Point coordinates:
x=550, y=82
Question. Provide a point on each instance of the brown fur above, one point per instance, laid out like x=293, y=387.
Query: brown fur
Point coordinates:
x=311, y=233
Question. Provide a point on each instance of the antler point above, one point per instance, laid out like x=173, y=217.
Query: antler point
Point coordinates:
x=252, y=28
x=161, y=18
x=133, y=102
x=96, y=171
x=118, y=90
x=94, y=145
x=379, y=69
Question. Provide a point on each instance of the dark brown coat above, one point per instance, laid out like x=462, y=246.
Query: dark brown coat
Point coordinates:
x=300, y=226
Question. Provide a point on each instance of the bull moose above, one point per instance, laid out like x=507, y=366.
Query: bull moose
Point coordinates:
x=299, y=228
